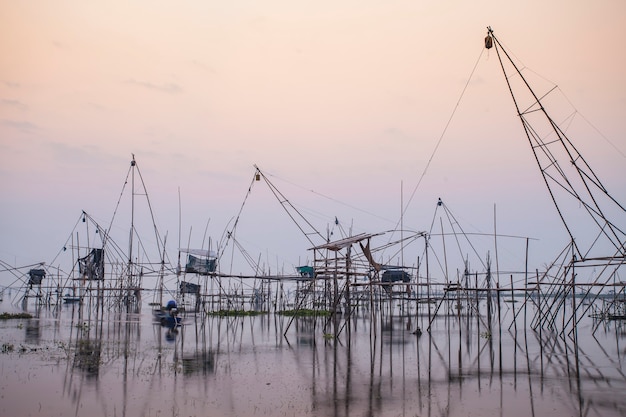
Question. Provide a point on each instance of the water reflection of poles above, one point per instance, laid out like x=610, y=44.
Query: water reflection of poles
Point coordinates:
x=158, y=365
x=419, y=373
x=540, y=327
x=528, y=369
x=68, y=373
x=616, y=365
x=499, y=335
x=84, y=351
x=335, y=366
x=458, y=318
x=372, y=351
x=126, y=354
x=459, y=323
x=478, y=320
x=430, y=367
x=577, y=359
x=489, y=333
x=375, y=387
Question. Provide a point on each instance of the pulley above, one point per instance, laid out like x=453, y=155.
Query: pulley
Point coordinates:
x=488, y=41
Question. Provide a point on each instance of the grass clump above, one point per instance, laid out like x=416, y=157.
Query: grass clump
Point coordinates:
x=7, y=316
x=235, y=313
x=305, y=312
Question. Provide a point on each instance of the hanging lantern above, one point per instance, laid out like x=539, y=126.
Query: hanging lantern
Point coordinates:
x=488, y=42
x=257, y=177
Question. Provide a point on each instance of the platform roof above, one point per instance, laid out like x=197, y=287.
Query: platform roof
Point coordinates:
x=344, y=243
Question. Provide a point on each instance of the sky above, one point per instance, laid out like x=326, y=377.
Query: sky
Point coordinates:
x=352, y=109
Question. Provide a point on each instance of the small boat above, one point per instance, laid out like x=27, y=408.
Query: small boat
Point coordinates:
x=71, y=299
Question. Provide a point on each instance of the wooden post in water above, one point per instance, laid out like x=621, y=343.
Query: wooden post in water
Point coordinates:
x=488, y=279
x=525, y=284
x=477, y=309
x=427, y=280
x=498, y=299
x=477, y=328
x=417, y=294
x=335, y=294
x=499, y=331
x=513, y=303
x=348, y=308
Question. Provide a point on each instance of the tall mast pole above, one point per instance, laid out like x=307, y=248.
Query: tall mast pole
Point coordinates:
x=132, y=222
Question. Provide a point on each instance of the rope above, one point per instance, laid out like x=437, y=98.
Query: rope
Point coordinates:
x=334, y=200
x=614, y=146
x=482, y=49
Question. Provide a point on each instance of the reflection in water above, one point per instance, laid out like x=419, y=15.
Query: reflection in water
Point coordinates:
x=87, y=356
x=33, y=331
x=171, y=333
x=199, y=362
x=378, y=365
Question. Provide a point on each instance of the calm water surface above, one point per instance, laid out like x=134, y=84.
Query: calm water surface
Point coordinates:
x=73, y=360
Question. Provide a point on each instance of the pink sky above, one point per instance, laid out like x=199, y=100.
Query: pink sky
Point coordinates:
x=345, y=98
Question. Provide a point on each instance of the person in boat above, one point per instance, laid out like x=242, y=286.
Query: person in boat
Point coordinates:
x=171, y=314
x=172, y=308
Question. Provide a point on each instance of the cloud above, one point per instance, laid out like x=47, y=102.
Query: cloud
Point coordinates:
x=20, y=125
x=203, y=66
x=95, y=106
x=11, y=84
x=169, y=88
x=13, y=103
x=397, y=134
x=86, y=157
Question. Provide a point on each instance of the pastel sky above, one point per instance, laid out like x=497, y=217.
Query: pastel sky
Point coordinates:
x=340, y=103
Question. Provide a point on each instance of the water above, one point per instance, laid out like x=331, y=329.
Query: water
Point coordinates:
x=74, y=360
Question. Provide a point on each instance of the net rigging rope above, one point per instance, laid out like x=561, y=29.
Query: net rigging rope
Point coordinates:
x=482, y=49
